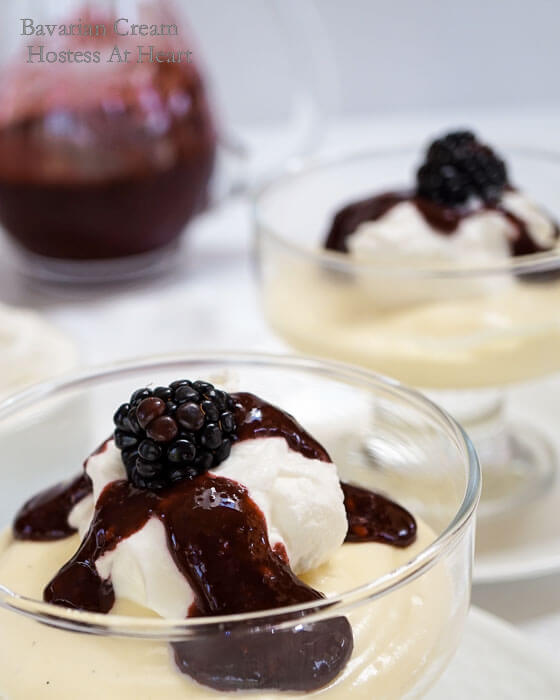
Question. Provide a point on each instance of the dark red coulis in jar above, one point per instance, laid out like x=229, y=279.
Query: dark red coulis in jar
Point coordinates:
x=218, y=539
x=116, y=167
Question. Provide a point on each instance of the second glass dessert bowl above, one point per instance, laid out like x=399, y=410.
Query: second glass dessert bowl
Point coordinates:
x=403, y=606
x=470, y=335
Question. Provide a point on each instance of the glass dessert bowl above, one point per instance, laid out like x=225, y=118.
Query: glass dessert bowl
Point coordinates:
x=378, y=615
x=458, y=315
x=32, y=350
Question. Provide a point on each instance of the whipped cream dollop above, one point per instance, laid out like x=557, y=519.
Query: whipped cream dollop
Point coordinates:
x=301, y=499
x=404, y=236
x=540, y=227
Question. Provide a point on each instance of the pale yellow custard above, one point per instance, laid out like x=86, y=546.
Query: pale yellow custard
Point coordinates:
x=453, y=338
x=398, y=639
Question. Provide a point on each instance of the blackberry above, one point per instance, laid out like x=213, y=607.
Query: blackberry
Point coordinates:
x=169, y=434
x=458, y=167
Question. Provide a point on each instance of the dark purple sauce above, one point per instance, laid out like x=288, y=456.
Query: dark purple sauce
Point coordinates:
x=443, y=219
x=108, y=184
x=45, y=516
x=218, y=539
x=216, y=535
x=374, y=518
x=256, y=418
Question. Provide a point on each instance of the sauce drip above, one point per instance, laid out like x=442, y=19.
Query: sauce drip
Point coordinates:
x=374, y=518
x=256, y=418
x=217, y=537
x=45, y=516
x=441, y=218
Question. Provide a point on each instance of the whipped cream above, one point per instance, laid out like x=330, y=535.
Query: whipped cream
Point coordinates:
x=403, y=236
x=300, y=498
x=541, y=227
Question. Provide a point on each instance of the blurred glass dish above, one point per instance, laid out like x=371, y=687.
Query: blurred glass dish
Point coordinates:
x=406, y=620
x=104, y=159
x=31, y=350
x=463, y=333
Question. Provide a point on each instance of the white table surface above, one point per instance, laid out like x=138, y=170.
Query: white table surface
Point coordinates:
x=211, y=302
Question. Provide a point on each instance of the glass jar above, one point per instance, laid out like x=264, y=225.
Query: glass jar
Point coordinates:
x=108, y=132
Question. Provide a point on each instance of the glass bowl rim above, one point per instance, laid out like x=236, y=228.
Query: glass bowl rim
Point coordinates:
x=179, y=629
x=298, y=168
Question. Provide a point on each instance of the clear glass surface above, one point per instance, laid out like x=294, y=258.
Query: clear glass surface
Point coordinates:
x=407, y=621
x=465, y=334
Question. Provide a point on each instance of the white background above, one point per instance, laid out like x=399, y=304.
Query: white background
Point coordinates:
x=431, y=54
x=398, y=55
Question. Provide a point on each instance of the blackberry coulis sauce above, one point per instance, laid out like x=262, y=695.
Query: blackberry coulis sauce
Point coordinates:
x=218, y=539
x=444, y=219
x=44, y=518
x=114, y=178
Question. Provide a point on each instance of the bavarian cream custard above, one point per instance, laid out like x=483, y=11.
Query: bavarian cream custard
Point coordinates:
x=429, y=297
x=205, y=503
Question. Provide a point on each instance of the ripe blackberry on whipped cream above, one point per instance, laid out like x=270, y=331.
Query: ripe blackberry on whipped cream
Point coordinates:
x=207, y=503
x=462, y=209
